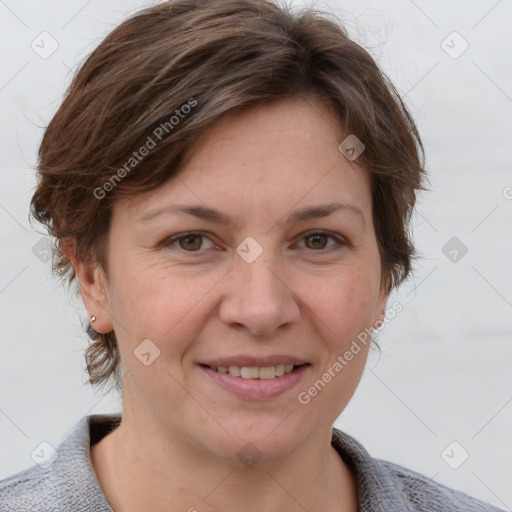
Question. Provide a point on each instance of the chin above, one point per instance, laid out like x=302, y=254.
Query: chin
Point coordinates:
x=264, y=438
x=247, y=452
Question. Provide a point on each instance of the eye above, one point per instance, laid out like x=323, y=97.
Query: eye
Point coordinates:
x=192, y=242
x=188, y=242
x=318, y=239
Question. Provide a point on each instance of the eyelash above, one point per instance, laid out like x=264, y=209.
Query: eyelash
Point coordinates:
x=341, y=242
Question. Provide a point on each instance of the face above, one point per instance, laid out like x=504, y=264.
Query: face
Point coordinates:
x=264, y=282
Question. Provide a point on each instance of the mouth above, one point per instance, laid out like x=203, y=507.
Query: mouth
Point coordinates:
x=256, y=372
x=256, y=382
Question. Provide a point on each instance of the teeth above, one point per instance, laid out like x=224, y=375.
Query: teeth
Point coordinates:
x=267, y=373
x=250, y=372
x=253, y=372
x=234, y=370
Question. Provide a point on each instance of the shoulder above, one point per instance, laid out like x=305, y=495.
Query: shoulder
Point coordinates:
x=384, y=485
x=64, y=482
x=425, y=494
x=28, y=490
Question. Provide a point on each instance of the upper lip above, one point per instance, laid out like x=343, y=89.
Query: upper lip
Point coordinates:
x=254, y=361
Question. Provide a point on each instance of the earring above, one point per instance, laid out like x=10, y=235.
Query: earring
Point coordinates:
x=93, y=317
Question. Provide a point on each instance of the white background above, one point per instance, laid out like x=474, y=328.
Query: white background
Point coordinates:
x=444, y=374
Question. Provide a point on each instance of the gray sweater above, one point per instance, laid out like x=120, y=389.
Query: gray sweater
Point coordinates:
x=68, y=483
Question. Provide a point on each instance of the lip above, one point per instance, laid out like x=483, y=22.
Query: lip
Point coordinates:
x=260, y=362
x=257, y=389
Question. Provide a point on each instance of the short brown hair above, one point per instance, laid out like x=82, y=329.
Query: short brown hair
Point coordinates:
x=226, y=56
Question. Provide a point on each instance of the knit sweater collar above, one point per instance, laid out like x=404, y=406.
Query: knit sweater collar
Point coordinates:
x=378, y=489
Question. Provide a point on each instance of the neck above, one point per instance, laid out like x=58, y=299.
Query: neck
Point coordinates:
x=140, y=468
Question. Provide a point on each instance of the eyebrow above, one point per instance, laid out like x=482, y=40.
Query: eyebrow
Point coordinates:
x=212, y=215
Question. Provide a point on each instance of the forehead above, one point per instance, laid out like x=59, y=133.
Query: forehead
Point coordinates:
x=273, y=158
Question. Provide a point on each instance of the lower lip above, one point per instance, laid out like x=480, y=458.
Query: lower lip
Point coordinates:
x=254, y=389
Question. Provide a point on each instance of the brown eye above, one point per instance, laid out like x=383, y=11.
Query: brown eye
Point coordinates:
x=190, y=242
x=317, y=241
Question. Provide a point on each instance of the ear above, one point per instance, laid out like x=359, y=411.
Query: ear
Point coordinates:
x=380, y=306
x=93, y=289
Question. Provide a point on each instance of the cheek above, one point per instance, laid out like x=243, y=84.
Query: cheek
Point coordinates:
x=343, y=305
x=159, y=303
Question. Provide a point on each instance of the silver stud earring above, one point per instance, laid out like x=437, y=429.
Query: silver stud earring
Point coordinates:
x=93, y=317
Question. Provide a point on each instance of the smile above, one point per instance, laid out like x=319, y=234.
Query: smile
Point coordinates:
x=256, y=383
x=255, y=372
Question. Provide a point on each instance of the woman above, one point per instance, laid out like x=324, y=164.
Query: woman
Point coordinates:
x=230, y=185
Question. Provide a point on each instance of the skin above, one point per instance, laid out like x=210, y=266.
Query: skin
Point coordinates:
x=176, y=448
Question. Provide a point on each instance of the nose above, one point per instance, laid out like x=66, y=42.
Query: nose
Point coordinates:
x=258, y=297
